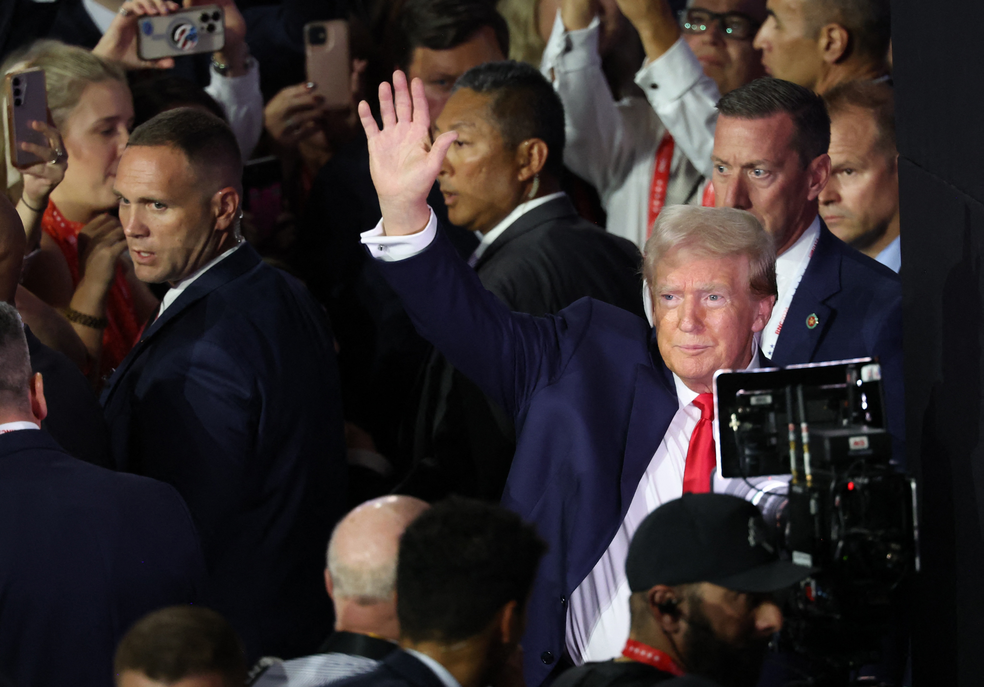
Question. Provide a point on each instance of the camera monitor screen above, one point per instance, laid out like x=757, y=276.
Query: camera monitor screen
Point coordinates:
x=753, y=410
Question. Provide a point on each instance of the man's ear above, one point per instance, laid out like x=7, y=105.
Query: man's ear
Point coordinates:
x=39, y=406
x=818, y=173
x=531, y=155
x=834, y=41
x=329, y=585
x=225, y=206
x=665, y=607
x=763, y=312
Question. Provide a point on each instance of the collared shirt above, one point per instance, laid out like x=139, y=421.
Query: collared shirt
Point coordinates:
x=790, y=268
x=891, y=256
x=172, y=294
x=446, y=678
x=16, y=426
x=598, y=614
x=489, y=238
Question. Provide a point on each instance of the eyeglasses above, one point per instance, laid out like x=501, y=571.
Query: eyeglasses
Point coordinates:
x=734, y=25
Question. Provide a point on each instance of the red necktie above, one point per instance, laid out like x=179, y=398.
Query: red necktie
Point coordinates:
x=700, y=456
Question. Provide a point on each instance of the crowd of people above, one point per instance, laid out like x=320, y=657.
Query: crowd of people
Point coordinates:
x=418, y=391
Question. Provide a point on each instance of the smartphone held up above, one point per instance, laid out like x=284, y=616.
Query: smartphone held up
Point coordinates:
x=329, y=64
x=27, y=102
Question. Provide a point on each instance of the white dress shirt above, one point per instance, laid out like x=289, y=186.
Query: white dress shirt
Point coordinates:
x=239, y=96
x=489, y=237
x=613, y=144
x=172, y=294
x=790, y=267
x=598, y=615
x=16, y=426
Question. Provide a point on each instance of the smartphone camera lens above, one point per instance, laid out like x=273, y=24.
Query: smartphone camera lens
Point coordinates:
x=216, y=16
x=16, y=81
x=317, y=35
x=18, y=102
x=210, y=28
x=17, y=92
x=205, y=17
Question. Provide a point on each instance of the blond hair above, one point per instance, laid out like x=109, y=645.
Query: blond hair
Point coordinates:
x=716, y=233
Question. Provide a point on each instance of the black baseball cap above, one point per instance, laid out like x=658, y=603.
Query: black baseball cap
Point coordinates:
x=713, y=538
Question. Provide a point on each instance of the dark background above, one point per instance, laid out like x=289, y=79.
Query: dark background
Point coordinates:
x=939, y=72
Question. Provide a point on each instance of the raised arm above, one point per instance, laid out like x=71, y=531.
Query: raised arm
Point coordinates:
x=403, y=161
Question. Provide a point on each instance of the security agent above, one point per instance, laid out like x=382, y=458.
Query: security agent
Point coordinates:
x=702, y=570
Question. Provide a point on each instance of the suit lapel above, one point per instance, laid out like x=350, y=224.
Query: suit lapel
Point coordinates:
x=654, y=403
x=548, y=212
x=809, y=317
x=237, y=264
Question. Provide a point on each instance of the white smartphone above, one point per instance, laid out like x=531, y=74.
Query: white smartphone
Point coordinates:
x=190, y=31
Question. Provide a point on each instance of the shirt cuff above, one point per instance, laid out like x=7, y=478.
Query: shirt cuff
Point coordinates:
x=571, y=50
x=671, y=74
x=242, y=101
x=395, y=248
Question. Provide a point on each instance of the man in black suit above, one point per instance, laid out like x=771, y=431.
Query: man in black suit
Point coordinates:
x=536, y=254
x=86, y=551
x=231, y=395
x=463, y=577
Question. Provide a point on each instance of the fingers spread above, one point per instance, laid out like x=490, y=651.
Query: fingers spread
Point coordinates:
x=386, y=105
x=368, y=123
x=402, y=97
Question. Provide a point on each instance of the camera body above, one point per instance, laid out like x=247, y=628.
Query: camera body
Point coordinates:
x=846, y=512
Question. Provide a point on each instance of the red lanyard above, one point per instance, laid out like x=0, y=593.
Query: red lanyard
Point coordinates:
x=661, y=179
x=643, y=653
x=707, y=200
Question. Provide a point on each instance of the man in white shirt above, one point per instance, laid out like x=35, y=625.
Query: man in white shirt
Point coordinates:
x=770, y=158
x=612, y=416
x=860, y=202
x=644, y=153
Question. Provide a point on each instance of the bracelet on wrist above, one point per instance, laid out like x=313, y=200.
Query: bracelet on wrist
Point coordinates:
x=33, y=209
x=73, y=315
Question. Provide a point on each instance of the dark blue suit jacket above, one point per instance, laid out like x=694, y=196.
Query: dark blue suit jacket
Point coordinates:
x=399, y=669
x=232, y=396
x=858, y=303
x=591, y=399
x=84, y=553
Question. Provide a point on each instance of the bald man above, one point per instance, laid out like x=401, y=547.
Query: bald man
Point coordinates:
x=74, y=419
x=361, y=580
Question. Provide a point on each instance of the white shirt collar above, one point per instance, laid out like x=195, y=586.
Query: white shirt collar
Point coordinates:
x=16, y=426
x=891, y=256
x=442, y=673
x=172, y=294
x=798, y=256
x=509, y=219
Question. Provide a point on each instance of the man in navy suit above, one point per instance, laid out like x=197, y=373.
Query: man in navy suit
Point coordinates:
x=231, y=395
x=463, y=577
x=605, y=406
x=86, y=551
x=835, y=303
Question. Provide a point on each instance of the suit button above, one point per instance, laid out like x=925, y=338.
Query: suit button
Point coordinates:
x=563, y=601
x=547, y=657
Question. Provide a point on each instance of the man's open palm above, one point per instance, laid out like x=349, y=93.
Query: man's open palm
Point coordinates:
x=402, y=160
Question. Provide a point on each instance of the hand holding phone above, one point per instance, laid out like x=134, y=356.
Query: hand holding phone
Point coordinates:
x=32, y=141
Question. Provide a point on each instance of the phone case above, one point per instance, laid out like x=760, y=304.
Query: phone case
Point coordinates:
x=326, y=48
x=26, y=101
x=195, y=30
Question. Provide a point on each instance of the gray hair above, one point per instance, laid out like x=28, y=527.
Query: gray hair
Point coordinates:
x=15, y=361
x=363, y=584
x=716, y=233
